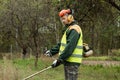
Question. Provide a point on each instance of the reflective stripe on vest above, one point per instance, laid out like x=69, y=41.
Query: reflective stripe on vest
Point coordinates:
x=77, y=53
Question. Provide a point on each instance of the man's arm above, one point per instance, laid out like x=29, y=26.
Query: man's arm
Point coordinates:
x=55, y=50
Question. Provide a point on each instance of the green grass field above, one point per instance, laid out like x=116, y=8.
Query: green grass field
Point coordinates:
x=18, y=69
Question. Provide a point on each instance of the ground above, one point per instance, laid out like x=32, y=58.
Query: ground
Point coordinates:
x=104, y=63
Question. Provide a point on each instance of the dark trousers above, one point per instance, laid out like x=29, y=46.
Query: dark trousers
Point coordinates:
x=71, y=72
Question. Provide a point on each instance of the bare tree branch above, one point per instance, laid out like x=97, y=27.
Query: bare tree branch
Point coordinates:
x=112, y=2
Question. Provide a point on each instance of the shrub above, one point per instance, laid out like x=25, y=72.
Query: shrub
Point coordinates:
x=116, y=52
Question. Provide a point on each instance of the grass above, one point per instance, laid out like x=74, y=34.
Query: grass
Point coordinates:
x=99, y=73
x=18, y=69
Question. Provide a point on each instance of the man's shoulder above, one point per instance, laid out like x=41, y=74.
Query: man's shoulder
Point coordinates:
x=75, y=27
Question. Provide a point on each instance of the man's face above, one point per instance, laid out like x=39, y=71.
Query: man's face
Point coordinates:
x=64, y=20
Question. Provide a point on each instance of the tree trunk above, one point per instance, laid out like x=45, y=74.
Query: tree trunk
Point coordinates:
x=92, y=37
x=24, y=53
x=36, y=50
x=36, y=59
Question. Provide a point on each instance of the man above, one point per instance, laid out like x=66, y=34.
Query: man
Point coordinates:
x=70, y=48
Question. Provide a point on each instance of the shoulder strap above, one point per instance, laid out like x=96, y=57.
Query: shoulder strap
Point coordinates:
x=75, y=27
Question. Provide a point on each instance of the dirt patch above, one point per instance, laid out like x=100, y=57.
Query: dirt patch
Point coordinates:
x=104, y=63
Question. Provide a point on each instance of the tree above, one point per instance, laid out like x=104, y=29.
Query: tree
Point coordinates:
x=98, y=21
x=30, y=24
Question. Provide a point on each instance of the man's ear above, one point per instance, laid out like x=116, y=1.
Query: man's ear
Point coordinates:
x=70, y=18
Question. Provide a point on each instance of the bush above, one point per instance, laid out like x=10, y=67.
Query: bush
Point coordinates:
x=116, y=52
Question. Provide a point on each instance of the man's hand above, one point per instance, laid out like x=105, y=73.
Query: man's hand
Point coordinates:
x=56, y=63
x=47, y=53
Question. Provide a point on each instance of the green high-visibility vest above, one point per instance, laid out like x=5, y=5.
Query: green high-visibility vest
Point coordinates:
x=77, y=53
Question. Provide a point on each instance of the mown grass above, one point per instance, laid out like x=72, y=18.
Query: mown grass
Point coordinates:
x=18, y=69
x=99, y=73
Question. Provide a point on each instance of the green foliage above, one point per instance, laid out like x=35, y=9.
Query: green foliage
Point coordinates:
x=115, y=58
x=116, y=52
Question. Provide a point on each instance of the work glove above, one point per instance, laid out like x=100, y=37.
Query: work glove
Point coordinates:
x=87, y=50
x=47, y=53
x=56, y=63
